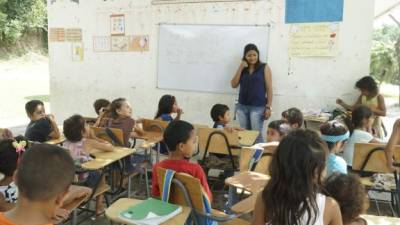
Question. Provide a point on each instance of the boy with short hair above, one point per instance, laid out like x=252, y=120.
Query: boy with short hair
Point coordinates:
x=293, y=117
x=180, y=138
x=43, y=178
x=220, y=114
x=42, y=127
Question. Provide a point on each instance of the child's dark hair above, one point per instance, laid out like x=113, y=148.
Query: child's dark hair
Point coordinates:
x=279, y=125
x=218, y=110
x=31, y=106
x=9, y=156
x=115, y=105
x=165, y=105
x=100, y=103
x=293, y=116
x=367, y=83
x=349, y=192
x=333, y=128
x=292, y=190
x=177, y=132
x=73, y=128
x=44, y=172
x=359, y=114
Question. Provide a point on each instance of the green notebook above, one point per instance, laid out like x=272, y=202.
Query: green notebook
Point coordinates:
x=150, y=212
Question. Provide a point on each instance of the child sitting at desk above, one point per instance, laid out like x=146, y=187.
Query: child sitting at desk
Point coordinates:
x=369, y=97
x=45, y=173
x=361, y=121
x=121, y=118
x=80, y=145
x=42, y=127
x=394, y=139
x=335, y=134
x=166, y=107
x=11, y=151
x=181, y=140
x=277, y=130
x=350, y=193
x=221, y=116
x=293, y=117
x=102, y=108
x=292, y=195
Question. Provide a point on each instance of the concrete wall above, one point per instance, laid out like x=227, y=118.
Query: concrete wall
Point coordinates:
x=308, y=83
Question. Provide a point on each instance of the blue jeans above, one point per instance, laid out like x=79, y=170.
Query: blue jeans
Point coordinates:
x=252, y=118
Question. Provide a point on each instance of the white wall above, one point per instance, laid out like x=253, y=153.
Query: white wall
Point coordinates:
x=302, y=82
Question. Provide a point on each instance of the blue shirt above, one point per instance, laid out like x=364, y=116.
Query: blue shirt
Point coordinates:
x=252, y=87
x=166, y=117
x=336, y=164
x=39, y=130
x=163, y=146
x=219, y=125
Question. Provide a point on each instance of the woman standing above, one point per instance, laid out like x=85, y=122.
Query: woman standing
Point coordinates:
x=255, y=93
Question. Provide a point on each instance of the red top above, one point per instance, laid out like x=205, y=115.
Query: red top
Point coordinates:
x=180, y=166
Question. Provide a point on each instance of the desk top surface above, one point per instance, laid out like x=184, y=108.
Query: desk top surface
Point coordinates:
x=103, y=159
x=248, y=180
x=381, y=220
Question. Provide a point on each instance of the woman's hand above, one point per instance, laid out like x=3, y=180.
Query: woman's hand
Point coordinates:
x=244, y=64
x=267, y=113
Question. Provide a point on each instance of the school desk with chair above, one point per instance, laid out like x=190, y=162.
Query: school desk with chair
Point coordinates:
x=102, y=160
x=57, y=141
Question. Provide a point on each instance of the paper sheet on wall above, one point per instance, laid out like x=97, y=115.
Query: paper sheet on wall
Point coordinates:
x=56, y=35
x=119, y=43
x=101, y=43
x=139, y=43
x=117, y=22
x=313, y=39
x=73, y=34
x=77, y=51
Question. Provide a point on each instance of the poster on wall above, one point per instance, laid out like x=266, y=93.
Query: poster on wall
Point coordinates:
x=73, y=34
x=117, y=22
x=313, y=11
x=56, y=34
x=101, y=43
x=139, y=43
x=119, y=43
x=77, y=51
x=313, y=39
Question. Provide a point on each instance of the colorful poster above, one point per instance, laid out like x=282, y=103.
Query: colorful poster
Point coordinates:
x=117, y=24
x=314, y=39
x=139, y=43
x=77, y=51
x=56, y=35
x=119, y=43
x=101, y=44
x=313, y=11
x=73, y=34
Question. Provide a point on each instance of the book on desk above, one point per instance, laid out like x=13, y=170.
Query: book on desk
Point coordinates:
x=150, y=212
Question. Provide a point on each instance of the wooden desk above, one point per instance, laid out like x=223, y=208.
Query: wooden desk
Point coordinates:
x=103, y=159
x=57, y=141
x=150, y=136
x=381, y=220
x=248, y=137
x=249, y=181
x=252, y=182
x=314, y=119
x=122, y=204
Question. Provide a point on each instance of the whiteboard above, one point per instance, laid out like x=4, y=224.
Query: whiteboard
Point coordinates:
x=205, y=57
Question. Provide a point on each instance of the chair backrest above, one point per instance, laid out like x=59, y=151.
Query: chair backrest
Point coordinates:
x=371, y=157
x=262, y=165
x=101, y=133
x=176, y=196
x=154, y=125
x=218, y=141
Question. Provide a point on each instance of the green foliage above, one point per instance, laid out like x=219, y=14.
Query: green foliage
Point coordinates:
x=20, y=16
x=384, y=54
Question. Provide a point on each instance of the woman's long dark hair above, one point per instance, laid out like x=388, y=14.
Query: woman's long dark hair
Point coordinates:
x=296, y=174
x=253, y=47
x=165, y=105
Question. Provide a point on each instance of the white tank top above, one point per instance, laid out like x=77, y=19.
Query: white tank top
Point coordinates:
x=321, y=208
